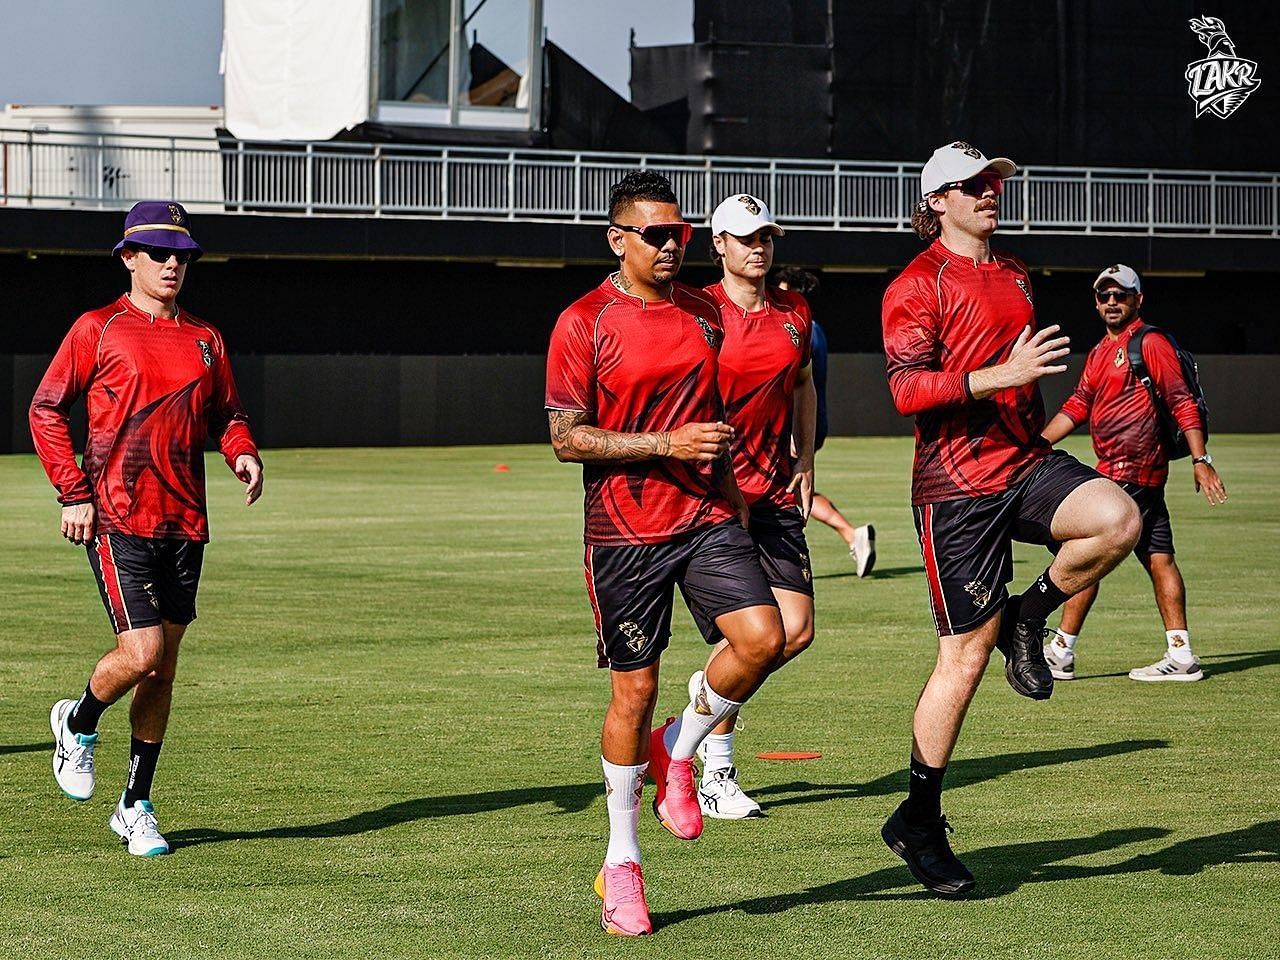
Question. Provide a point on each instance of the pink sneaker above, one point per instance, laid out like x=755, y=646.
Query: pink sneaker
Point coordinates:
x=624, y=912
x=676, y=805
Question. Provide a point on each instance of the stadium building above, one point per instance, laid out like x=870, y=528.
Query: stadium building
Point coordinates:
x=408, y=191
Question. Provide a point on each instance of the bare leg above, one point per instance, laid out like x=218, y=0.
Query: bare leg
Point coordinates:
x=153, y=695
x=755, y=641
x=824, y=511
x=136, y=654
x=1171, y=592
x=945, y=700
x=625, y=737
x=1097, y=524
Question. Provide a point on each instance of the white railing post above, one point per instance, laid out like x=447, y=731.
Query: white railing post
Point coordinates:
x=1213, y=204
x=1026, y=200
x=577, y=188
x=240, y=175
x=173, y=168
x=309, y=183
x=377, y=180
x=511, y=185
x=1088, y=201
x=1151, y=203
x=444, y=182
x=102, y=172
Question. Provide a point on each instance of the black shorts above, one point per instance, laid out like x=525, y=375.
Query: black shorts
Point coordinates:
x=778, y=534
x=144, y=581
x=967, y=545
x=632, y=589
x=1157, y=532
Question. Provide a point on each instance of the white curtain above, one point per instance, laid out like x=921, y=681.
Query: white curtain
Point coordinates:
x=296, y=69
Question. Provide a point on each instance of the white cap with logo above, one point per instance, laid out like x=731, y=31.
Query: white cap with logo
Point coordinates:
x=959, y=161
x=1118, y=273
x=742, y=215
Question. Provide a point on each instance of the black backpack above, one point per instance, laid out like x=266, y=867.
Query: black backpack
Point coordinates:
x=1170, y=433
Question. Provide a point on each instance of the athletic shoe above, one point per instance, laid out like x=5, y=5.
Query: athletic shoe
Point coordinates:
x=863, y=550
x=624, y=912
x=1061, y=660
x=676, y=803
x=721, y=798
x=1166, y=668
x=928, y=854
x=137, y=828
x=72, y=754
x=1022, y=643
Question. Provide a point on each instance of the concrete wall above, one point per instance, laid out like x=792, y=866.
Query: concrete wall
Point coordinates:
x=328, y=401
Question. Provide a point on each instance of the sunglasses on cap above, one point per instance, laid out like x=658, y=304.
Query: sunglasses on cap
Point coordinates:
x=976, y=185
x=162, y=254
x=1105, y=296
x=657, y=234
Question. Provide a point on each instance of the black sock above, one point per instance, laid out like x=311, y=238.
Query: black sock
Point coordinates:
x=1041, y=599
x=84, y=716
x=142, y=768
x=924, y=792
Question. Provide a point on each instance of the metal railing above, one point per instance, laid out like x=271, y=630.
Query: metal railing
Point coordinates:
x=52, y=169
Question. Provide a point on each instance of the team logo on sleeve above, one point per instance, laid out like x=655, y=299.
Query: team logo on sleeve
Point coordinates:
x=793, y=333
x=708, y=331
x=206, y=352
x=1026, y=290
x=1221, y=82
x=636, y=640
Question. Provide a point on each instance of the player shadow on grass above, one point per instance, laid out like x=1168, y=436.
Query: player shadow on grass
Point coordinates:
x=26, y=747
x=1002, y=870
x=879, y=573
x=570, y=798
x=1215, y=664
x=960, y=773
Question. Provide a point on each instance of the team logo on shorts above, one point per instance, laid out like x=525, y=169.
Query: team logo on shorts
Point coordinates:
x=979, y=591
x=636, y=640
x=1221, y=82
x=749, y=202
x=708, y=331
x=805, y=571
x=206, y=352
x=150, y=590
x=793, y=333
x=1026, y=290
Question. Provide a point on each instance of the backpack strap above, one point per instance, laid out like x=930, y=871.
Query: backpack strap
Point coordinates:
x=1139, y=365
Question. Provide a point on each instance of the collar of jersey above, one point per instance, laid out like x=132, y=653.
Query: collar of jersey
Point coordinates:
x=141, y=314
x=993, y=264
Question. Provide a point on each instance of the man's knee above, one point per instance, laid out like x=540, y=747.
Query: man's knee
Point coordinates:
x=799, y=636
x=144, y=651
x=756, y=635
x=634, y=695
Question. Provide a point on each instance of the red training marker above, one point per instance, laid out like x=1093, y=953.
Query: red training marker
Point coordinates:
x=501, y=468
x=789, y=755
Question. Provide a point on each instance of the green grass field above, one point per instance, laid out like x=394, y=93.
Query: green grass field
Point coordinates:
x=385, y=740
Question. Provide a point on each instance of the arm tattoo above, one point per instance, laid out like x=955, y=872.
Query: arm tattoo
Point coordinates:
x=577, y=441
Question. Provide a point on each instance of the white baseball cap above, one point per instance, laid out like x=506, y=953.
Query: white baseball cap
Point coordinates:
x=742, y=215
x=960, y=161
x=1126, y=277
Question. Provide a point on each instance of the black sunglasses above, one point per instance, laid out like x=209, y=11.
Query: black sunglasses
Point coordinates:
x=162, y=254
x=1104, y=296
x=976, y=186
x=657, y=234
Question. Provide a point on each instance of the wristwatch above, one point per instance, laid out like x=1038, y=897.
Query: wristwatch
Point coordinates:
x=1206, y=460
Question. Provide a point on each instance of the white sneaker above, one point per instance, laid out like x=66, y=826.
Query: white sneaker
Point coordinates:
x=72, y=754
x=863, y=550
x=137, y=828
x=1061, y=660
x=722, y=799
x=1167, y=668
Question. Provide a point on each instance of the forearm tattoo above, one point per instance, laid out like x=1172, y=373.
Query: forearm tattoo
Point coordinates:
x=575, y=439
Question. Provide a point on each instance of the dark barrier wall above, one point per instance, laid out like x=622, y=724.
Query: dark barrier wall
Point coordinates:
x=336, y=401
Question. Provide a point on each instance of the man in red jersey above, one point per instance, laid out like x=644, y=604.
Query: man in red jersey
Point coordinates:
x=964, y=358
x=766, y=381
x=632, y=396
x=1126, y=438
x=156, y=381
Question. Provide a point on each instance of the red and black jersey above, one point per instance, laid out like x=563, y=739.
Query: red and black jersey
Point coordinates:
x=155, y=387
x=945, y=316
x=637, y=366
x=1119, y=411
x=762, y=353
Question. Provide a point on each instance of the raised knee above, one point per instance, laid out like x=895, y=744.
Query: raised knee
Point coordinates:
x=1128, y=526
x=798, y=640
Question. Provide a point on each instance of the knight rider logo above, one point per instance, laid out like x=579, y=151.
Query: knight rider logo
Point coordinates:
x=1026, y=291
x=979, y=591
x=701, y=705
x=206, y=352
x=1221, y=82
x=636, y=640
x=749, y=202
x=793, y=333
x=708, y=331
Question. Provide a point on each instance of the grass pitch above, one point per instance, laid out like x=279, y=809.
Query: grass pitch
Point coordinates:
x=385, y=740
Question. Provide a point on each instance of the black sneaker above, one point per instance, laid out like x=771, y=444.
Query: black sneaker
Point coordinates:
x=928, y=854
x=1022, y=643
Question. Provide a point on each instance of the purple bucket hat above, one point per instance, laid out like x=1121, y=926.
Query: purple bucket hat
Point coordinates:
x=158, y=223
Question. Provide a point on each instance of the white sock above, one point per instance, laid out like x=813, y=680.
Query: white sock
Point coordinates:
x=700, y=717
x=717, y=753
x=622, y=787
x=1179, y=643
x=1065, y=642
